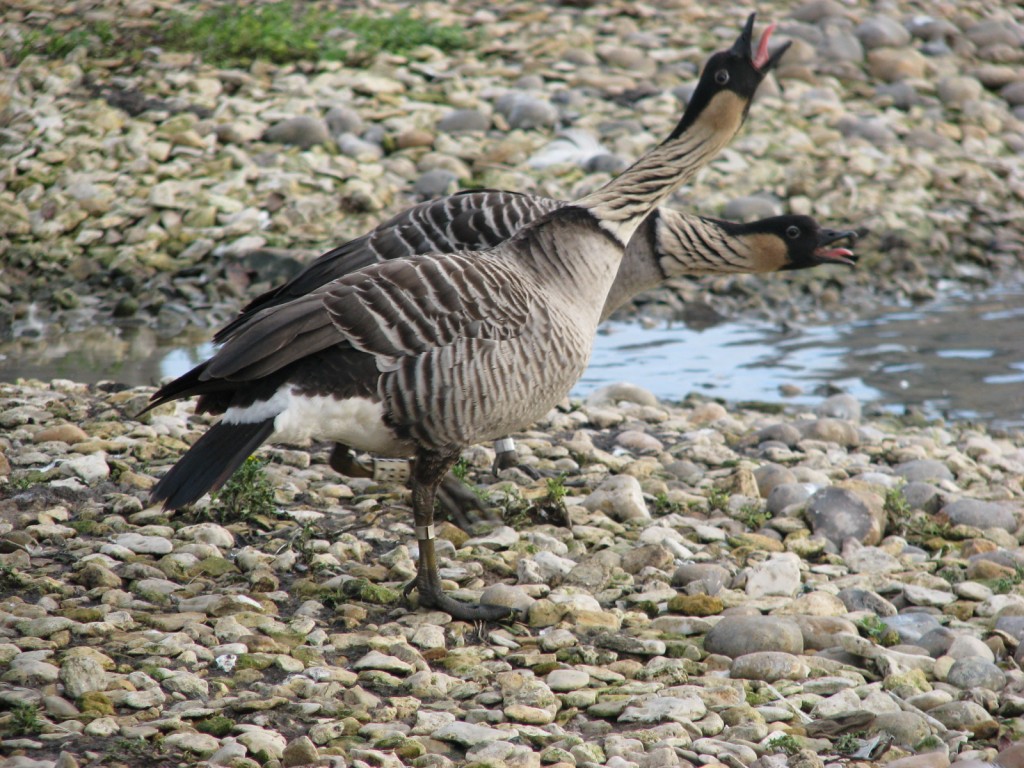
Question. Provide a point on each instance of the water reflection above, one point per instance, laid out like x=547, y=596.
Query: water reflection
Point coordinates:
x=961, y=357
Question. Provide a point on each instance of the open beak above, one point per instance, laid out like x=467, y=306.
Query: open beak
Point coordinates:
x=825, y=255
x=742, y=45
x=762, y=60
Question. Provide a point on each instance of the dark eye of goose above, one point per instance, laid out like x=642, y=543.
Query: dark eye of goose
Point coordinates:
x=793, y=232
x=722, y=76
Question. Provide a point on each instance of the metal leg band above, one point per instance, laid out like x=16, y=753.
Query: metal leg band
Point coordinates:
x=391, y=470
x=504, y=445
x=424, y=532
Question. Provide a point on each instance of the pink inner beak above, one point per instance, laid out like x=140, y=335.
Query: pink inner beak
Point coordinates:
x=761, y=57
x=842, y=255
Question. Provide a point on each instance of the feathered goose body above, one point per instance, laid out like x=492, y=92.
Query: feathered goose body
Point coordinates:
x=427, y=354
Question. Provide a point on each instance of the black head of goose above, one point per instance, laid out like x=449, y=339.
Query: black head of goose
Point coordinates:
x=422, y=356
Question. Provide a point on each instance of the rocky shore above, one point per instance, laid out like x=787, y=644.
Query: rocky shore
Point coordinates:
x=738, y=587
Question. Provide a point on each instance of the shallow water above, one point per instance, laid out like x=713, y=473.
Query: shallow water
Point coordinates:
x=960, y=357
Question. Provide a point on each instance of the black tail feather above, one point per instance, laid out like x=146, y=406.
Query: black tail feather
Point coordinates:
x=210, y=462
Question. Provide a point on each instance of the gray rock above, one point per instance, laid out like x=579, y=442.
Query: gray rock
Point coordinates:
x=562, y=680
x=359, y=149
x=436, y=182
x=923, y=496
x=842, y=406
x=838, y=514
x=144, y=545
x=840, y=44
x=1012, y=625
x=92, y=468
x=787, y=495
x=959, y=90
x=508, y=596
x=923, y=471
x=82, y=674
x=902, y=95
x=300, y=751
x=819, y=631
x=654, y=556
x=620, y=497
x=622, y=391
x=906, y=728
x=470, y=734
x=1013, y=93
x=882, y=31
x=44, y=626
x=911, y=626
x=658, y=709
x=995, y=32
x=464, y=121
x=770, y=476
x=303, y=131
x=710, y=576
x=751, y=207
x=936, y=641
x=972, y=672
x=768, y=666
x=262, y=743
x=32, y=673
x=342, y=120
x=872, y=130
x=201, y=744
x=856, y=599
x=639, y=646
x=735, y=636
x=524, y=111
x=842, y=433
x=778, y=575
x=783, y=433
x=936, y=598
x=544, y=568
x=966, y=646
x=961, y=715
x=980, y=514
x=814, y=11
x=383, y=662
x=605, y=163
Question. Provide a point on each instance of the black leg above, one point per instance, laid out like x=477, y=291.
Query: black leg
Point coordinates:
x=344, y=462
x=456, y=499
x=428, y=472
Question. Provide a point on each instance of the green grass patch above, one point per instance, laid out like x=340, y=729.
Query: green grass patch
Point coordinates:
x=99, y=38
x=289, y=30
x=24, y=720
x=246, y=495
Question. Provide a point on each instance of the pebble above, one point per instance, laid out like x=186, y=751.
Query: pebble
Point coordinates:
x=464, y=121
x=736, y=636
x=980, y=514
x=621, y=497
x=303, y=131
x=838, y=514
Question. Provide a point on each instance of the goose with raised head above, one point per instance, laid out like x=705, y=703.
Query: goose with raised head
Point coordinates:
x=424, y=355
x=668, y=244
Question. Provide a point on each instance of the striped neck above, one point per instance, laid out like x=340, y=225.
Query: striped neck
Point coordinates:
x=622, y=204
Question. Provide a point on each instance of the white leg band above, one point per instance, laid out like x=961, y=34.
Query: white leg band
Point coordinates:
x=424, y=532
x=391, y=470
x=504, y=445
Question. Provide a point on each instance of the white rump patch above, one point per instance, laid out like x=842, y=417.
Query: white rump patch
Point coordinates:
x=357, y=422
